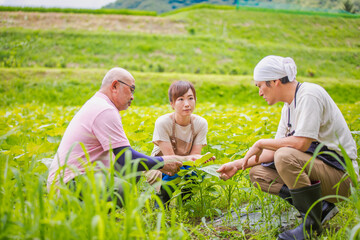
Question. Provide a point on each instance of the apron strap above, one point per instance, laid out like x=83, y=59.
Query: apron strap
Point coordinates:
x=192, y=130
x=173, y=138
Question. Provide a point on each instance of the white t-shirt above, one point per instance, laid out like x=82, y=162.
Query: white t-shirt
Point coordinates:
x=317, y=116
x=163, y=131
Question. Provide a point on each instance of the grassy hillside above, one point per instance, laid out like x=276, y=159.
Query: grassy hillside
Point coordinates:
x=205, y=41
x=74, y=10
x=54, y=86
x=161, y=6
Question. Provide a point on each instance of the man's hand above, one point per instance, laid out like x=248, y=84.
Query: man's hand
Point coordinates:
x=171, y=166
x=256, y=151
x=227, y=170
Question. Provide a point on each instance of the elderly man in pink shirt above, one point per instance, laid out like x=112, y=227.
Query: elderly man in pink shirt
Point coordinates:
x=98, y=127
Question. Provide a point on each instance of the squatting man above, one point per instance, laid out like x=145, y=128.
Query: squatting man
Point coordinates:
x=309, y=118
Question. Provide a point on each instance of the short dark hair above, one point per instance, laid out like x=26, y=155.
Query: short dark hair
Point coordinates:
x=179, y=88
x=282, y=80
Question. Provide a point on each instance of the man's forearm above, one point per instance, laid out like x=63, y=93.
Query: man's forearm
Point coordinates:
x=265, y=157
x=149, y=163
x=299, y=143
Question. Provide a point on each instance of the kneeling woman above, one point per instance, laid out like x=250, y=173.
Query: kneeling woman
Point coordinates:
x=180, y=132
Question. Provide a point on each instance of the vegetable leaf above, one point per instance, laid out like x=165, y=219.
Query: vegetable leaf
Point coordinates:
x=199, y=161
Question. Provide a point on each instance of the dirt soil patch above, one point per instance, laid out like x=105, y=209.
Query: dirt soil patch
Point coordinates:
x=91, y=22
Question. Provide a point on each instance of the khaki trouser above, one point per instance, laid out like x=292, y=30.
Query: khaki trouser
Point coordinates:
x=288, y=163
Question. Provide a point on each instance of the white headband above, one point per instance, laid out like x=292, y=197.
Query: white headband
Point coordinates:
x=275, y=67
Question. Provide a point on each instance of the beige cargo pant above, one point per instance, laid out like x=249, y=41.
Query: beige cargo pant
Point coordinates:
x=289, y=162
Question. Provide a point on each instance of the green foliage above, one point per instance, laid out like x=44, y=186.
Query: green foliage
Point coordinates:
x=268, y=8
x=64, y=69
x=198, y=161
x=72, y=87
x=212, y=41
x=28, y=210
x=162, y=6
x=24, y=48
x=74, y=10
x=28, y=135
x=349, y=6
x=166, y=6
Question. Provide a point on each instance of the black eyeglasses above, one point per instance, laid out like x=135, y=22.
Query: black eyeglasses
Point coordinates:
x=132, y=88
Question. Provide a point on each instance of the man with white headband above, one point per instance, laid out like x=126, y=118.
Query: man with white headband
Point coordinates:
x=310, y=120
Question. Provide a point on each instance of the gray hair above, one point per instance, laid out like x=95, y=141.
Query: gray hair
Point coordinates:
x=115, y=73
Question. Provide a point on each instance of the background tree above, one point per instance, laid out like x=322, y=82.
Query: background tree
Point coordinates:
x=349, y=6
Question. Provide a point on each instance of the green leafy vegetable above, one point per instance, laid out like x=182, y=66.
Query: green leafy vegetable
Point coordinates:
x=199, y=161
x=211, y=169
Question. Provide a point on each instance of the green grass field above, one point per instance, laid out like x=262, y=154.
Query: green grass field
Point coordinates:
x=85, y=11
x=48, y=73
x=214, y=41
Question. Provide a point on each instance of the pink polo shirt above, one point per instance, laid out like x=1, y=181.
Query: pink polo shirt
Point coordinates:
x=98, y=126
